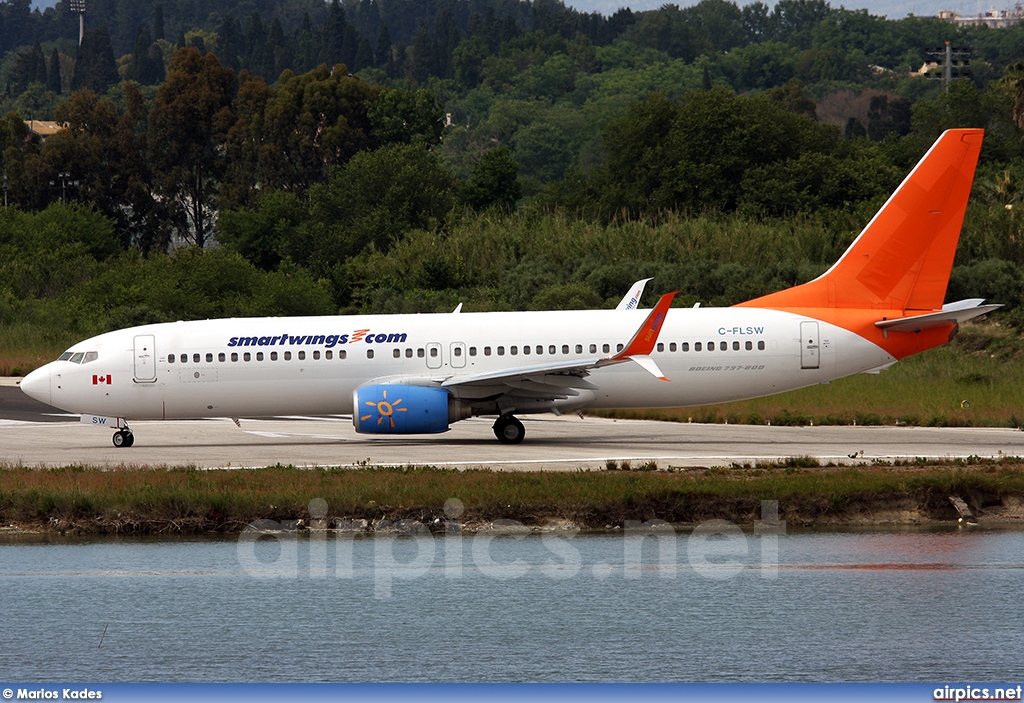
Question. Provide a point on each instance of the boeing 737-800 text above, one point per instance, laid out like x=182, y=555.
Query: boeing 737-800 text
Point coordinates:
x=407, y=374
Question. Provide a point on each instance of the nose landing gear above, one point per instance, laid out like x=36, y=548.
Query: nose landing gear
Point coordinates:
x=509, y=430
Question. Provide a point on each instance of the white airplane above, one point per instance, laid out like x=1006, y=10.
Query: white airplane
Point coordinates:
x=409, y=374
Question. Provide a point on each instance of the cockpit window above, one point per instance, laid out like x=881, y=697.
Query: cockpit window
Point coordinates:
x=90, y=356
x=77, y=358
x=65, y=356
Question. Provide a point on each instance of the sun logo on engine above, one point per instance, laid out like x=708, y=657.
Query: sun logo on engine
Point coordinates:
x=385, y=410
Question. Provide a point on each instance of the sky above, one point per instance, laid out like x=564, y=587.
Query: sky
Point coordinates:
x=893, y=9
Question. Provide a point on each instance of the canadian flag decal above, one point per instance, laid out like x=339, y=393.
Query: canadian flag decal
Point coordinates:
x=97, y=380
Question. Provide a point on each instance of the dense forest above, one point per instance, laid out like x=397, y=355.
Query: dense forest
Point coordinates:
x=296, y=156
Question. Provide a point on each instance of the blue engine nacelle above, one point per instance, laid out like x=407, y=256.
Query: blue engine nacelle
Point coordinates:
x=402, y=409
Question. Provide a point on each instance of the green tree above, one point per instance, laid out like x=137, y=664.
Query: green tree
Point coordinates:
x=312, y=123
x=694, y=153
x=406, y=116
x=494, y=182
x=53, y=81
x=104, y=149
x=372, y=202
x=95, y=68
x=187, y=124
x=259, y=234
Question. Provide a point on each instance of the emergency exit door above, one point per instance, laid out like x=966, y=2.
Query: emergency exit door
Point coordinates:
x=145, y=358
x=809, y=345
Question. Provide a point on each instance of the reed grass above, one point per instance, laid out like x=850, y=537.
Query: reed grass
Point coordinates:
x=140, y=499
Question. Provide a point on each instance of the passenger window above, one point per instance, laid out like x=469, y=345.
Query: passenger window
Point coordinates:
x=343, y=354
x=259, y=356
x=457, y=351
x=526, y=349
x=302, y=356
x=579, y=348
x=316, y=354
x=672, y=346
x=170, y=358
x=195, y=358
x=433, y=352
x=234, y=356
x=327, y=355
x=397, y=353
x=369, y=353
x=247, y=356
x=420, y=353
x=472, y=351
x=222, y=357
x=487, y=351
x=408, y=353
x=513, y=350
x=605, y=348
x=551, y=349
x=618, y=347
x=209, y=357
x=593, y=348
x=287, y=356
x=273, y=356
x=685, y=346
x=748, y=346
x=735, y=346
x=760, y=346
x=711, y=346
x=661, y=346
x=501, y=351
x=697, y=346
x=65, y=356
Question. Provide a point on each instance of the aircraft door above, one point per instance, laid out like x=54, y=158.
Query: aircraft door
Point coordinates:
x=433, y=355
x=809, y=345
x=458, y=355
x=145, y=358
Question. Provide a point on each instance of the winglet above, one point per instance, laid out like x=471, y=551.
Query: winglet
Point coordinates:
x=646, y=337
x=631, y=300
x=642, y=343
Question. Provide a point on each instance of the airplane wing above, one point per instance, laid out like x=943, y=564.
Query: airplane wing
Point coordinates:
x=563, y=379
x=631, y=300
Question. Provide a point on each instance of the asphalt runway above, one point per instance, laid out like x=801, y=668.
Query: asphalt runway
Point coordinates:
x=33, y=434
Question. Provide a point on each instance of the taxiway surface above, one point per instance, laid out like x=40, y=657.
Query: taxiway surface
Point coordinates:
x=33, y=434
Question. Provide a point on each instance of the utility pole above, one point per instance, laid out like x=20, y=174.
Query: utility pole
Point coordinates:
x=955, y=63
x=64, y=179
x=79, y=7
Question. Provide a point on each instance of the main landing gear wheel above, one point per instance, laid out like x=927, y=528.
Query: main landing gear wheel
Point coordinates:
x=509, y=430
x=123, y=438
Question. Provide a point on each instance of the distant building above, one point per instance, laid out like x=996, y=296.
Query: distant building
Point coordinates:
x=44, y=128
x=993, y=18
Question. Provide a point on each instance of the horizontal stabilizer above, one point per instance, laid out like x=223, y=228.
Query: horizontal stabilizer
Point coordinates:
x=951, y=313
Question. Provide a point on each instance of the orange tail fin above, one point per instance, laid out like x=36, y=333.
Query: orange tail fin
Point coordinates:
x=902, y=259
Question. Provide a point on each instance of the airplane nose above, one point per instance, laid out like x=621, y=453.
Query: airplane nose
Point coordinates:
x=37, y=384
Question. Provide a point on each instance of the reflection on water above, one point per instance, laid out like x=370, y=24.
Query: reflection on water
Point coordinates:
x=719, y=606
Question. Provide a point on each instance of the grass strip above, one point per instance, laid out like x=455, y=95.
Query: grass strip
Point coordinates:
x=183, y=499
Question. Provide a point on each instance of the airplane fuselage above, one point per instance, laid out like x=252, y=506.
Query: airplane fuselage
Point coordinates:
x=249, y=367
